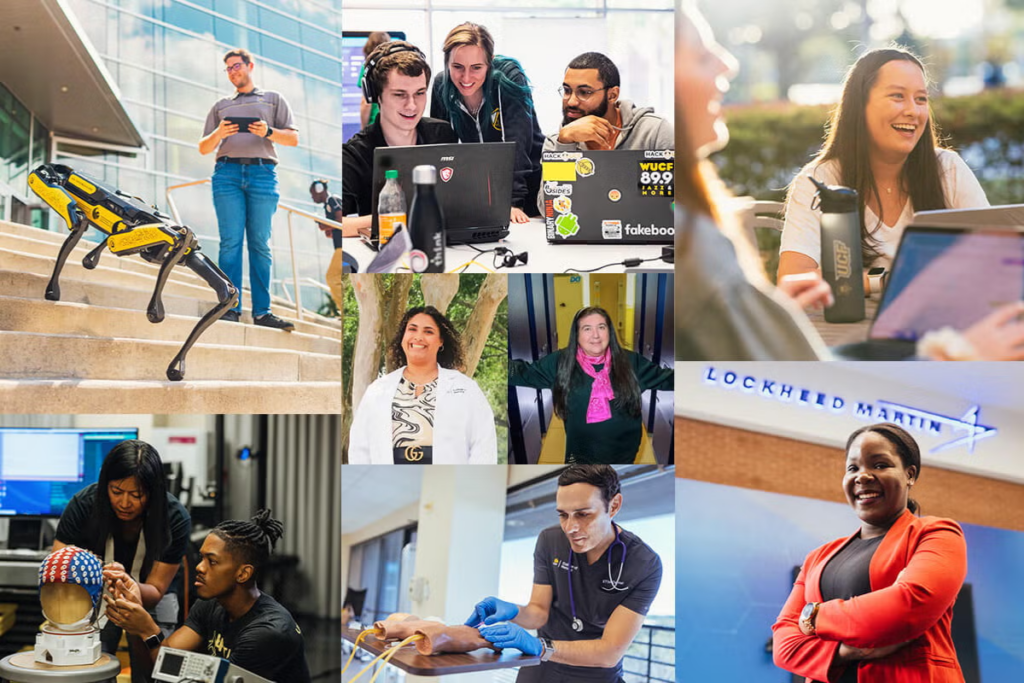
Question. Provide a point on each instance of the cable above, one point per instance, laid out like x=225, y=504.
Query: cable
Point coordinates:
x=628, y=263
x=416, y=636
x=355, y=648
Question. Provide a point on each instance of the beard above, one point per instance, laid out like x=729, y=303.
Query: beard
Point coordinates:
x=599, y=110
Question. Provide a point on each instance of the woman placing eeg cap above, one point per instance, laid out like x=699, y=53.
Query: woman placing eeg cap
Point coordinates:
x=876, y=607
x=426, y=411
x=596, y=386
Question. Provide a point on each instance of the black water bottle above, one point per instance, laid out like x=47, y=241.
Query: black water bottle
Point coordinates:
x=841, y=261
x=426, y=223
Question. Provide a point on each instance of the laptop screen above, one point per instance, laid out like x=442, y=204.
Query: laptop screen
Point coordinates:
x=949, y=278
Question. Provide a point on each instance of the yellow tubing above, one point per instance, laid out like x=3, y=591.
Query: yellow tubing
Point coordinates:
x=391, y=654
x=355, y=648
x=388, y=654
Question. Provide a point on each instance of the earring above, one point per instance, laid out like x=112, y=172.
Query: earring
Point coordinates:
x=441, y=349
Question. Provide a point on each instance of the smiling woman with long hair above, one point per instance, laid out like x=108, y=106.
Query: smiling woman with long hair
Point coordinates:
x=883, y=142
x=426, y=411
x=876, y=607
x=596, y=386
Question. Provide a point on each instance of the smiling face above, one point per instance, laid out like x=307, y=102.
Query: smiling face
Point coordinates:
x=592, y=334
x=402, y=102
x=703, y=70
x=897, y=109
x=239, y=73
x=585, y=520
x=467, y=67
x=127, y=499
x=421, y=340
x=876, y=483
x=218, y=571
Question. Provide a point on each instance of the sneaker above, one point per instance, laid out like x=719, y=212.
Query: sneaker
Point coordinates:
x=271, y=320
x=231, y=316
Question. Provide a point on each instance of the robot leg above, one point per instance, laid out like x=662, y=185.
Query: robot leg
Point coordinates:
x=155, y=310
x=53, y=287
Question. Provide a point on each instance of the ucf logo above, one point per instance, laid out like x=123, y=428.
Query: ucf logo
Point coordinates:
x=496, y=119
x=413, y=453
x=841, y=253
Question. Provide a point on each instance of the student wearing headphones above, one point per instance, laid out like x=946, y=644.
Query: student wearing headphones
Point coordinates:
x=396, y=78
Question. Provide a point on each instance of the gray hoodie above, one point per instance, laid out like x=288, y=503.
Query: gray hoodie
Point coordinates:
x=642, y=129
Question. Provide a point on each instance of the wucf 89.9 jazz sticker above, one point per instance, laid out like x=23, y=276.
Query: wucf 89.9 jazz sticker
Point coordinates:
x=656, y=178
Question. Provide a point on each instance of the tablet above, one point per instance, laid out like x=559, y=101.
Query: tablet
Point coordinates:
x=243, y=122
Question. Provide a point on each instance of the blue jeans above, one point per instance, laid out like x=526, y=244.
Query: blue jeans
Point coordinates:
x=245, y=198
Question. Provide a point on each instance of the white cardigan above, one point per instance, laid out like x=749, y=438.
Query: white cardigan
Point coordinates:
x=463, y=423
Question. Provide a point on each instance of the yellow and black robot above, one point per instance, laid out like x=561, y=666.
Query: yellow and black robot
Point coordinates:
x=130, y=227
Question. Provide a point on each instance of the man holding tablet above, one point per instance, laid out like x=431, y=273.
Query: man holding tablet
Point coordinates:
x=242, y=129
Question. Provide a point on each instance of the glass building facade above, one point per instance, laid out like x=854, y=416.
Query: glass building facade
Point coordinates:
x=166, y=59
x=23, y=143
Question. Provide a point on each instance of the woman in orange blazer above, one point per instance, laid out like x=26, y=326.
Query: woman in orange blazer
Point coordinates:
x=876, y=607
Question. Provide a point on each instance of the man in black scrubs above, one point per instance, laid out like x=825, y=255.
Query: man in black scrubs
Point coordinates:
x=233, y=619
x=397, y=75
x=593, y=583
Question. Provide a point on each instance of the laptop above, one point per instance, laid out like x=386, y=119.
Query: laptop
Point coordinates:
x=608, y=197
x=943, y=276
x=1006, y=215
x=474, y=186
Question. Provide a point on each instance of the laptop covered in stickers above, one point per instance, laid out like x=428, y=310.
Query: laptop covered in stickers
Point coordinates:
x=608, y=197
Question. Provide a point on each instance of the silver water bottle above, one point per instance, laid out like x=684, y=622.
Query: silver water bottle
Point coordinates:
x=841, y=262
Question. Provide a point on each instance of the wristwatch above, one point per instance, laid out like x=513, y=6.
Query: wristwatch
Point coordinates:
x=547, y=649
x=155, y=640
x=876, y=280
x=808, y=615
x=269, y=131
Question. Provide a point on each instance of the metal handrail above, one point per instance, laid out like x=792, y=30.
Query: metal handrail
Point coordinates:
x=291, y=241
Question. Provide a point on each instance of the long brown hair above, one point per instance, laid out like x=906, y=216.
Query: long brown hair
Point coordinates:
x=847, y=142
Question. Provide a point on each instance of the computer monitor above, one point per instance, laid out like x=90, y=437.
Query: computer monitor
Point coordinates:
x=42, y=469
x=351, y=64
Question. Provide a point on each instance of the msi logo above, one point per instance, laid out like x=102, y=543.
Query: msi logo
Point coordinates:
x=447, y=158
x=446, y=173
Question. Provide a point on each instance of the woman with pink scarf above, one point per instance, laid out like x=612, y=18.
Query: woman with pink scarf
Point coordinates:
x=596, y=386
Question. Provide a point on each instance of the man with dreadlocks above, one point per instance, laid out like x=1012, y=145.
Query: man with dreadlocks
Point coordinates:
x=233, y=619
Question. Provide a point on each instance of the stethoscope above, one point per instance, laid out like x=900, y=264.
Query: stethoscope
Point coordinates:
x=616, y=583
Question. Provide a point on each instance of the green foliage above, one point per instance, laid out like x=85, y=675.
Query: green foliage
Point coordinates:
x=492, y=370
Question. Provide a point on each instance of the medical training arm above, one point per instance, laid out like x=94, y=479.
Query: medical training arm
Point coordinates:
x=924, y=590
x=606, y=651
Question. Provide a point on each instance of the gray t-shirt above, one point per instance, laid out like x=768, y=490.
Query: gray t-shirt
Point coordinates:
x=266, y=105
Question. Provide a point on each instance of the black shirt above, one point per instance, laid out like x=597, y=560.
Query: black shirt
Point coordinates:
x=76, y=528
x=332, y=205
x=357, y=160
x=265, y=640
x=592, y=593
x=613, y=441
x=847, y=575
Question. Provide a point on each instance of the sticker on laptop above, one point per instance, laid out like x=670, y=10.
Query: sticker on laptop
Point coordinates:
x=562, y=204
x=551, y=187
x=611, y=230
x=614, y=195
x=585, y=167
x=656, y=178
x=446, y=173
x=567, y=225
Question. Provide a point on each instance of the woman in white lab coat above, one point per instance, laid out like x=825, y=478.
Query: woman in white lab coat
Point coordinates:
x=426, y=411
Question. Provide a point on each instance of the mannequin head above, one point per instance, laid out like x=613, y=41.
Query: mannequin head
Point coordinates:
x=70, y=586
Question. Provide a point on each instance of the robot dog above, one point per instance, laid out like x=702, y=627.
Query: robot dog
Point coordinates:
x=131, y=227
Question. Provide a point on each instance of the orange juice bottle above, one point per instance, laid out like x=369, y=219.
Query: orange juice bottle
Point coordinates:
x=390, y=207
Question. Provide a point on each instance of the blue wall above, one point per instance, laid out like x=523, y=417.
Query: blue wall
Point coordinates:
x=735, y=553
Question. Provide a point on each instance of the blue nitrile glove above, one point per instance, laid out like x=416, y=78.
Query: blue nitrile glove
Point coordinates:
x=492, y=610
x=509, y=635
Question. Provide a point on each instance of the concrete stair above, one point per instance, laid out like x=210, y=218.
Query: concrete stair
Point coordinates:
x=95, y=351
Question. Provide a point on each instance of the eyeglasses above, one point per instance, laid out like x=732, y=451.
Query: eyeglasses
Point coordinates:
x=235, y=67
x=582, y=94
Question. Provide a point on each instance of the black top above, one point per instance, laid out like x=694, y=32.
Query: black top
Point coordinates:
x=592, y=592
x=265, y=640
x=847, y=575
x=76, y=528
x=614, y=441
x=332, y=205
x=357, y=161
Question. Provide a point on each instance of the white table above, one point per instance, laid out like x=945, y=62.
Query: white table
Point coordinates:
x=543, y=257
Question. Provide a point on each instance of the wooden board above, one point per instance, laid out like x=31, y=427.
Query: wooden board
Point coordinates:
x=410, y=661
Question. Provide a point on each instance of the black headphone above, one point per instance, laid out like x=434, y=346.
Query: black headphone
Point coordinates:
x=370, y=93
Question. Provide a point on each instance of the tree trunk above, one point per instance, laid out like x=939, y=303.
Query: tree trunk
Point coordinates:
x=474, y=338
x=397, y=303
x=439, y=290
x=369, y=337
